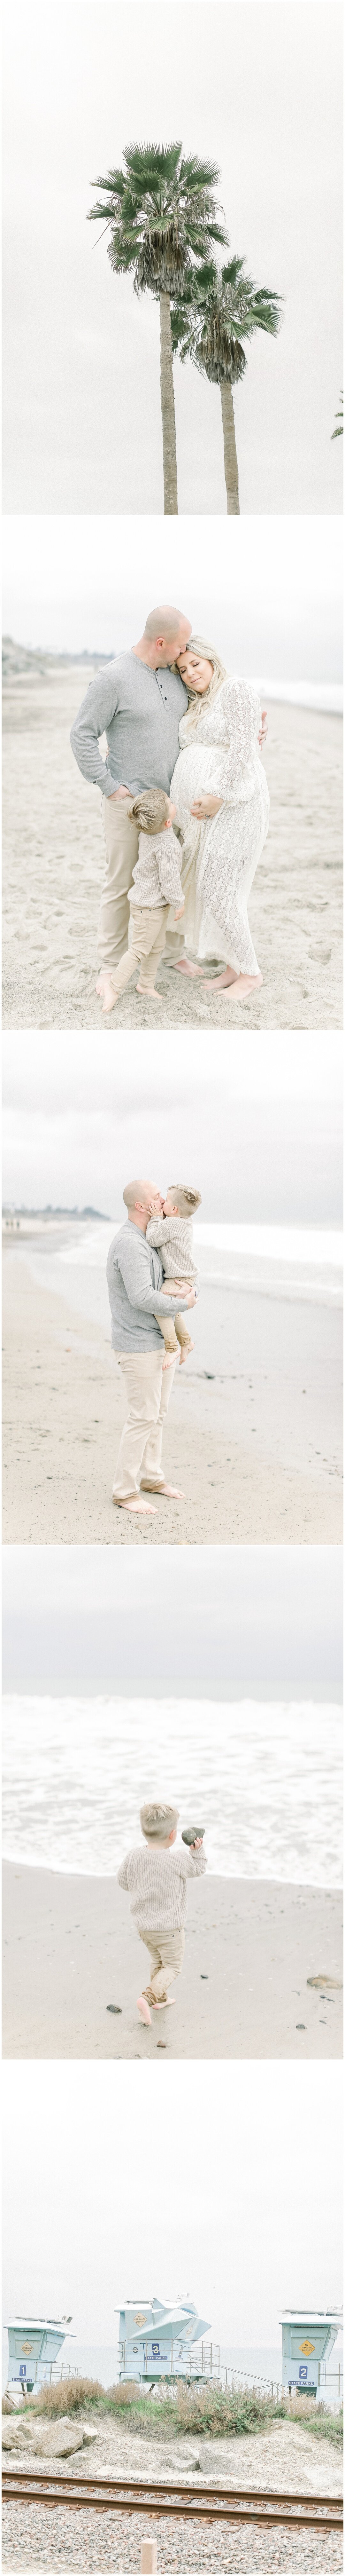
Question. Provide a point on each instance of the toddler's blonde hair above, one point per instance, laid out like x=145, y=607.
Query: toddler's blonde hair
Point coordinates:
x=185, y=1200
x=157, y=1821
x=150, y=810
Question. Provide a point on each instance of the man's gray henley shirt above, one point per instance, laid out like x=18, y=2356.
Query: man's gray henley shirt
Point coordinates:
x=134, y=1275
x=139, y=710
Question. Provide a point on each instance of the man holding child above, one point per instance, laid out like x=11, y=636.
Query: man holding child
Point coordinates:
x=141, y=1306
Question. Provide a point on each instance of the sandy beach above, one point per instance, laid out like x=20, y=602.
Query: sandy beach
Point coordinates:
x=252, y=1431
x=53, y=855
x=71, y=1948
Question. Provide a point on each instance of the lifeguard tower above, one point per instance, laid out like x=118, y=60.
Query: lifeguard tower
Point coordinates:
x=308, y=2339
x=158, y=2341
x=33, y=2347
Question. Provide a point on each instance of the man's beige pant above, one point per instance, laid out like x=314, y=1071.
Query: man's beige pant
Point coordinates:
x=147, y=1391
x=147, y=943
x=166, y=1960
x=122, y=844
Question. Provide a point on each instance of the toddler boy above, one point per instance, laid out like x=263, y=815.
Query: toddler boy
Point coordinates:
x=156, y=885
x=172, y=1236
x=156, y=1879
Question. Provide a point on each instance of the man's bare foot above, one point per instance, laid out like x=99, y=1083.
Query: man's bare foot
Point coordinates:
x=150, y=990
x=173, y=1491
x=184, y=1351
x=239, y=985
x=182, y=966
x=169, y=1356
x=136, y=1505
x=105, y=988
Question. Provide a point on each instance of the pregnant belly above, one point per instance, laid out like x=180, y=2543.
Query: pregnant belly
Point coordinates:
x=195, y=774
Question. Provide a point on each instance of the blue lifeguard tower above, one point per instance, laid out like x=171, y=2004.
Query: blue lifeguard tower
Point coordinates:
x=308, y=2339
x=33, y=2347
x=158, y=2341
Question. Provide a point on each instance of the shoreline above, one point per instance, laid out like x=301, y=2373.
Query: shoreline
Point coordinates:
x=71, y=1949
x=258, y=1464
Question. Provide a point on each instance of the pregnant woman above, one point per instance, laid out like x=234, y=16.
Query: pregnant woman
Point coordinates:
x=222, y=805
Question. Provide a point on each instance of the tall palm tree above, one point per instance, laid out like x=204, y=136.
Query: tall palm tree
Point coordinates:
x=162, y=217
x=214, y=314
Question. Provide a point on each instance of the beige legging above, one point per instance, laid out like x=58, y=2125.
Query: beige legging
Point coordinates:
x=176, y=1327
x=166, y=1960
x=147, y=943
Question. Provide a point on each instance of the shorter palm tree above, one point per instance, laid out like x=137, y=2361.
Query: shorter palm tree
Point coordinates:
x=162, y=216
x=339, y=432
x=216, y=312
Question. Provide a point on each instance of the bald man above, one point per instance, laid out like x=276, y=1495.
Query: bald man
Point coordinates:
x=137, y=701
x=136, y=1297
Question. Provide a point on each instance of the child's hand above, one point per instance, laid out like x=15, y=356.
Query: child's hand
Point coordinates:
x=180, y=910
x=198, y=1842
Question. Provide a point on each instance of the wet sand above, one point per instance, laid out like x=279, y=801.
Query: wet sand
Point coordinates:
x=71, y=1948
x=252, y=1431
x=53, y=858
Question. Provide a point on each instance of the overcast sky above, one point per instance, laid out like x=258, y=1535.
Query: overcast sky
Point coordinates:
x=256, y=88
x=202, y=2184
x=256, y=1120
x=268, y=592
x=256, y=1622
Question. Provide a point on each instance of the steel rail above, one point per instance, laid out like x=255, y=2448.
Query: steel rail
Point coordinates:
x=209, y=2504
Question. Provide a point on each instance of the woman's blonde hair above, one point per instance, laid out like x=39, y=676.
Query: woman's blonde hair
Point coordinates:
x=150, y=810
x=197, y=645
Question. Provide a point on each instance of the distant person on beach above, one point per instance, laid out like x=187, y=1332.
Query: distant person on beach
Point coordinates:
x=156, y=1879
x=222, y=801
x=171, y=1234
x=137, y=701
x=138, y=1303
x=156, y=885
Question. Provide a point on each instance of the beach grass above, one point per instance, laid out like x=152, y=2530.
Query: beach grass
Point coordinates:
x=184, y=2408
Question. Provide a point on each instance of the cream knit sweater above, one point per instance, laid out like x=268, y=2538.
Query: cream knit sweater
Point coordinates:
x=157, y=872
x=156, y=1880
x=172, y=1236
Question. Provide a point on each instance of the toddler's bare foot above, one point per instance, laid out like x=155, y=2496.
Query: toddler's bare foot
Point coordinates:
x=186, y=1347
x=150, y=989
x=168, y=1357
x=105, y=988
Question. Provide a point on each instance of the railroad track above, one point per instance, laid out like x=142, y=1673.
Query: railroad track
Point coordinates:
x=199, y=2504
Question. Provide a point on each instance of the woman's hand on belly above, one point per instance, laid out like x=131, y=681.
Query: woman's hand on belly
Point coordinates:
x=204, y=805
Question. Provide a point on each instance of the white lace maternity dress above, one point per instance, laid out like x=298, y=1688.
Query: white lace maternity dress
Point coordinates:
x=221, y=757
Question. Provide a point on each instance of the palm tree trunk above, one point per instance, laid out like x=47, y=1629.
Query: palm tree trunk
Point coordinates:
x=168, y=412
x=230, y=458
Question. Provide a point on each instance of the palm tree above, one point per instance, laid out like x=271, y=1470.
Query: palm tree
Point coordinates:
x=216, y=312
x=162, y=217
x=339, y=432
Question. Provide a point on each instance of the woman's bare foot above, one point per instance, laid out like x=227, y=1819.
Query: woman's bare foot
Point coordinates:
x=238, y=985
x=105, y=988
x=186, y=1347
x=150, y=990
x=135, y=1506
x=182, y=966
